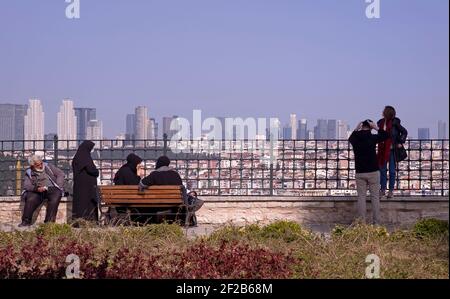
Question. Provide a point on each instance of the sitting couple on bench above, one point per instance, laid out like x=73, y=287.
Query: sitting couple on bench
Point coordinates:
x=132, y=173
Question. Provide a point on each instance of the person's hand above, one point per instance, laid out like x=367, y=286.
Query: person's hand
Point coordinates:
x=140, y=171
x=373, y=125
x=41, y=189
x=399, y=145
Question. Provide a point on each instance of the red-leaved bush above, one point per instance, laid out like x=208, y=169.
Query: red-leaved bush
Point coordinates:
x=40, y=259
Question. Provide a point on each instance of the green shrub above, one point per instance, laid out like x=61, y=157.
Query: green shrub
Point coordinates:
x=430, y=227
x=288, y=231
x=156, y=231
x=50, y=230
x=359, y=231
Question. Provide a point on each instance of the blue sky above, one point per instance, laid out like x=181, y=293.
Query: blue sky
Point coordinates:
x=246, y=58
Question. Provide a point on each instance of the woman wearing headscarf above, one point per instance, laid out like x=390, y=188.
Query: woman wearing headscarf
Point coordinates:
x=130, y=173
x=85, y=175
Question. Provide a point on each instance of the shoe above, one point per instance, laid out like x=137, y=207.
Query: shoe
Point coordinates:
x=24, y=224
x=390, y=194
x=382, y=193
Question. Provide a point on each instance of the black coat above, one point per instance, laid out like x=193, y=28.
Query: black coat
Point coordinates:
x=398, y=132
x=163, y=176
x=364, y=147
x=127, y=174
x=85, y=175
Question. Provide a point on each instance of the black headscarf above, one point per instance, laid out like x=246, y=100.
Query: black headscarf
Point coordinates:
x=83, y=156
x=162, y=161
x=133, y=161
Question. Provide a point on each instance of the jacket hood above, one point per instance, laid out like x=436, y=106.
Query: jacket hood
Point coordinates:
x=162, y=161
x=133, y=160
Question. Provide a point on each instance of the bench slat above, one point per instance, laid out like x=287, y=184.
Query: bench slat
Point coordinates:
x=143, y=201
x=136, y=196
x=152, y=192
x=133, y=187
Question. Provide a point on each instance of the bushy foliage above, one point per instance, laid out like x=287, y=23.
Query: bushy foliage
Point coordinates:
x=279, y=250
x=431, y=228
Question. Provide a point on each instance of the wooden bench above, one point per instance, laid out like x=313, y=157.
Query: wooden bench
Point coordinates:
x=153, y=197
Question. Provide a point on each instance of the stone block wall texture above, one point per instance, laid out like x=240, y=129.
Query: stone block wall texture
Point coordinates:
x=246, y=210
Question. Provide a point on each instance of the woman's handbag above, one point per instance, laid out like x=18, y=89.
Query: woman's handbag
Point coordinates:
x=400, y=153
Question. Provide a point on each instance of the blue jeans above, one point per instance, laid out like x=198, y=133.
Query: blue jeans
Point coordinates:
x=383, y=173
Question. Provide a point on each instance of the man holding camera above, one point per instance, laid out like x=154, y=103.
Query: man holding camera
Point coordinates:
x=366, y=165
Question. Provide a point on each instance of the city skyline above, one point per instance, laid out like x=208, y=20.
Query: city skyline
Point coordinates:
x=143, y=125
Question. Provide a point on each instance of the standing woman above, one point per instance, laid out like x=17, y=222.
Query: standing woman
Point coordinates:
x=388, y=151
x=85, y=175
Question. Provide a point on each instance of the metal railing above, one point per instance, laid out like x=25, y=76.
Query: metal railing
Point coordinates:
x=242, y=167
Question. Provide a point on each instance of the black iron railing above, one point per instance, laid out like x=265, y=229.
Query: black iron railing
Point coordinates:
x=242, y=167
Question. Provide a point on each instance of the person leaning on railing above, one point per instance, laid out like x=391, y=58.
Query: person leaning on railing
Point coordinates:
x=42, y=181
x=366, y=166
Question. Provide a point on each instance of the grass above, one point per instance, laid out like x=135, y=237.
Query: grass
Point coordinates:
x=279, y=250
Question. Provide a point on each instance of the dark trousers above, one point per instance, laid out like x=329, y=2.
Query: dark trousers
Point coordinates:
x=35, y=199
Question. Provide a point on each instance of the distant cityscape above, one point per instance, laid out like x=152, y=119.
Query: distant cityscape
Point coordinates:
x=26, y=122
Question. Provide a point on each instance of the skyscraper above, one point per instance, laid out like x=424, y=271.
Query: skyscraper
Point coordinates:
x=84, y=116
x=332, y=129
x=287, y=132
x=94, y=130
x=167, y=125
x=141, y=128
x=12, y=119
x=130, y=127
x=152, y=129
x=302, y=132
x=293, y=124
x=342, y=130
x=442, y=129
x=423, y=133
x=34, y=125
x=67, y=125
x=321, y=130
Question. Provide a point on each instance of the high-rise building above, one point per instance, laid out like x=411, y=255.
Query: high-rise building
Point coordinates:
x=152, y=129
x=331, y=129
x=67, y=125
x=342, y=130
x=94, y=131
x=321, y=129
x=130, y=127
x=302, y=133
x=287, y=132
x=12, y=119
x=442, y=129
x=423, y=133
x=293, y=124
x=84, y=116
x=141, y=129
x=34, y=126
x=168, y=123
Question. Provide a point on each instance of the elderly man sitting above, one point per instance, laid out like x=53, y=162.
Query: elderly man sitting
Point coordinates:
x=42, y=181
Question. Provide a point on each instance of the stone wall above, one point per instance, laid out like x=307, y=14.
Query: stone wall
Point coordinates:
x=246, y=209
